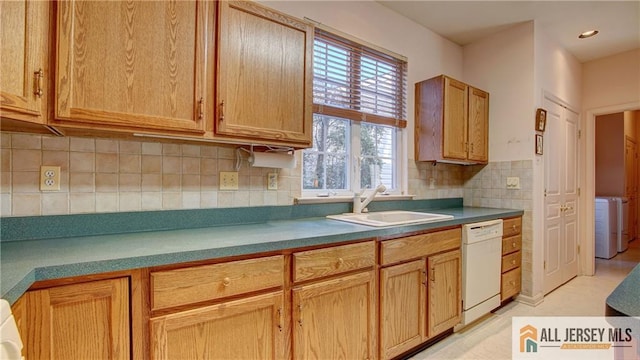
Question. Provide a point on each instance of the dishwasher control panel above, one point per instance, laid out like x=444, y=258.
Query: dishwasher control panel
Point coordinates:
x=481, y=231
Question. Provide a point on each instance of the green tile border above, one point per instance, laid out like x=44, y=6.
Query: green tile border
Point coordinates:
x=64, y=226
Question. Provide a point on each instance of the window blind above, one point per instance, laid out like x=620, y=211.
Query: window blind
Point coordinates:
x=355, y=82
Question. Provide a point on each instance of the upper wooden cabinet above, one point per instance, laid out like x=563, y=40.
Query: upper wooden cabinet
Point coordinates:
x=24, y=27
x=133, y=65
x=264, y=75
x=452, y=122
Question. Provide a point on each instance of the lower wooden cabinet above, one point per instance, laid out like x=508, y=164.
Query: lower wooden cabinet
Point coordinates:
x=445, y=291
x=248, y=328
x=336, y=318
x=80, y=321
x=510, y=282
x=402, y=307
x=323, y=303
x=419, y=298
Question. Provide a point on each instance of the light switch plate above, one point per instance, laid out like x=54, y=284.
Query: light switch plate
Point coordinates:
x=228, y=180
x=513, y=182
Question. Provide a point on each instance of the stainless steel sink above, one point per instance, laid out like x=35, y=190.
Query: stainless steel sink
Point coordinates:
x=390, y=218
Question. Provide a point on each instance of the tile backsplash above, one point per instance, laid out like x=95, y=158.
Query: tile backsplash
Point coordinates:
x=108, y=175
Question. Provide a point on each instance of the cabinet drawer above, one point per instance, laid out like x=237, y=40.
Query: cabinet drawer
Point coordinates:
x=201, y=283
x=318, y=263
x=510, y=285
x=412, y=247
x=511, y=261
x=511, y=244
x=512, y=227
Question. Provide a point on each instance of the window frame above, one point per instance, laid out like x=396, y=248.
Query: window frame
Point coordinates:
x=353, y=175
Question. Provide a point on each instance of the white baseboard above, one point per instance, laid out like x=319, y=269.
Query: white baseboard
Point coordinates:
x=530, y=300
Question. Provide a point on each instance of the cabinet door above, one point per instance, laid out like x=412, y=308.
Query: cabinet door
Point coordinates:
x=478, y=125
x=250, y=328
x=335, y=319
x=264, y=75
x=402, y=308
x=80, y=321
x=133, y=64
x=24, y=26
x=454, y=132
x=445, y=291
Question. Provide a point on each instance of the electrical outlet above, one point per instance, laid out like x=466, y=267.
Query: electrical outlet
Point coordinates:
x=228, y=180
x=513, y=182
x=272, y=181
x=50, y=178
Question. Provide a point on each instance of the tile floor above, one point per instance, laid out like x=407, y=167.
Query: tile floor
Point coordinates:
x=491, y=338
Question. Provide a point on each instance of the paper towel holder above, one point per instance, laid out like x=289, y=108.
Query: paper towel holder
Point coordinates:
x=272, y=157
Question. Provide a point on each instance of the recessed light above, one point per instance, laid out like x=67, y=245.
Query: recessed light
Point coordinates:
x=588, y=34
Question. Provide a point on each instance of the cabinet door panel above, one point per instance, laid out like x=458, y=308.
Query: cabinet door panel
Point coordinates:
x=445, y=291
x=335, y=319
x=80, y=321
x=402, y=307
x=264, y=74
x=478, y=125
x=250, y=328
x=132, y=64
x=455, y=124
x=23, y=31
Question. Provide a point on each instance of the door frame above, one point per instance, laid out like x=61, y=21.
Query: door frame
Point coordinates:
x=587, y=145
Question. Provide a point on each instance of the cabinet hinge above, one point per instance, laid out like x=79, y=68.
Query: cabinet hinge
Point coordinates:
x=578, y=249
x=545, y=192
x=579, y=134
x=545, y=265
x=578, y=191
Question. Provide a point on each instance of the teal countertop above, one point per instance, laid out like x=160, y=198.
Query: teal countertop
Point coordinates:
x=625, y=298
x=41, y=255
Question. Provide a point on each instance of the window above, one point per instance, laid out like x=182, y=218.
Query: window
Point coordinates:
x=359, y=105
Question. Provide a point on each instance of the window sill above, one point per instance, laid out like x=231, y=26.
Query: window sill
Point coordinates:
x=347, y=199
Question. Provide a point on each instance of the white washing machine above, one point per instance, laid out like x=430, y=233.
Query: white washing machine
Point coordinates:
x=606, y=219
x=10, y=343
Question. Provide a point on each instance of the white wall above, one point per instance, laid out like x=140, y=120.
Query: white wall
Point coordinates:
x=558, y=75
x=612, y=80
x=557, y=71
x=609, y=85
x=517, y=66
x=503, y=65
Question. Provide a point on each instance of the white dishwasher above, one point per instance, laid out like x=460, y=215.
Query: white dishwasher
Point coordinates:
x=481, y=263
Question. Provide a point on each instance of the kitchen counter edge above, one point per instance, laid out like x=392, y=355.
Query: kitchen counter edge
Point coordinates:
x=26, y=262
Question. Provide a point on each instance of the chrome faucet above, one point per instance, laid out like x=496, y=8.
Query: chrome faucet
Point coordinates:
x=360, y=205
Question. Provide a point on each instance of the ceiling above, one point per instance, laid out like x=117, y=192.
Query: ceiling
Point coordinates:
x=464, y=22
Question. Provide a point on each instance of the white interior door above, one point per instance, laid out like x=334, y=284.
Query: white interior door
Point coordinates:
x=561, y=196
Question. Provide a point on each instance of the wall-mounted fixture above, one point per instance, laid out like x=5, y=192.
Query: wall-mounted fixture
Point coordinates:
x=278, y=158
